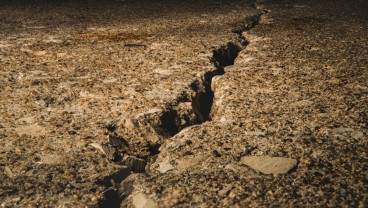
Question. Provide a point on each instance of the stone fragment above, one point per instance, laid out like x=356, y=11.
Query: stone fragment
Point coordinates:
x=26, y=120
x=117, y=141
x=223, y=119
x=269, y=165
x=165, y=166
x=129, y=124
x=50, y=159
x=109, y=81
x=26, y=50
x=190, y=162
x=109, y=151
x=341, y=130
x=236, y=168
x=52, y=40
x=40, y=53
x=126, y=187
x=358, y=135
x=116, y=173
x=5, y=45
x=8, y=172
x=61, y=55
x=137, y=165
x=142, y=201
x=97, y=146
x=32, y=130
x=225, y=191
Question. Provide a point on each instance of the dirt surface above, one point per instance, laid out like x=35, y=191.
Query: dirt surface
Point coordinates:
x=166, y=103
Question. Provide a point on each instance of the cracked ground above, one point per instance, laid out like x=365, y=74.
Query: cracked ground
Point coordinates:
x=104, y=103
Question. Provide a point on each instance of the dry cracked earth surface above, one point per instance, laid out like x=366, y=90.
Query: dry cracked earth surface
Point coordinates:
x=183, y=103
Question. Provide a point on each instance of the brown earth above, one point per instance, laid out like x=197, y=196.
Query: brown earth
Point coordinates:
x=168, y=103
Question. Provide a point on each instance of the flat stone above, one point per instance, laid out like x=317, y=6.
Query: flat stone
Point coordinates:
x=190, y=162
x=269, y=165
x=51, y=159
x=142, y=201
x=165, y=166
x=32, y=130
x=40, y=53
x=126, y=187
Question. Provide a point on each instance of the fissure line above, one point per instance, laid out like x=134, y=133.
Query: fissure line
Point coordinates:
x=192, y=107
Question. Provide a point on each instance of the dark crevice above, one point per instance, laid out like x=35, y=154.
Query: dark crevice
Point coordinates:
x=246, y=25
x=178, y=115
x=111, y=199
x=154, y=149
x=169, y=124
x=173, y=118
x=221, y=58
x=226, y=55
x=111, y=196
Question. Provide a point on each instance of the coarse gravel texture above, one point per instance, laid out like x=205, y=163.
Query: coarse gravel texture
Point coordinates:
x=78, y=75
x=104, y=103
x=298, y=90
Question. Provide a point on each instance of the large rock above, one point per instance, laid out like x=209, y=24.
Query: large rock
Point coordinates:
x=269, y=165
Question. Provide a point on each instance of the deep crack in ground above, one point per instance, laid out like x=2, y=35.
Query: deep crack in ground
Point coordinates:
x=201, y=101
x=85, y=108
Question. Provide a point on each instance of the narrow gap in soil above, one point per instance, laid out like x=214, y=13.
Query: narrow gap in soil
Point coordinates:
x=222, y=57
x=203, y=94
x=171, y=120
